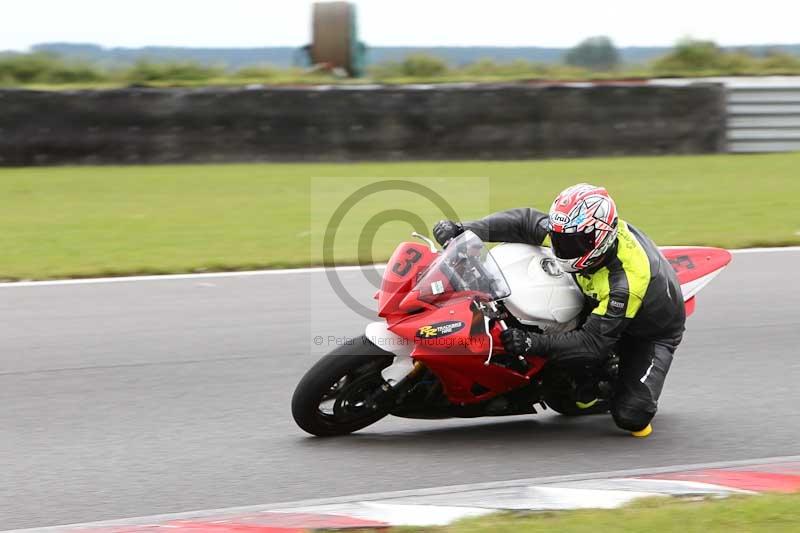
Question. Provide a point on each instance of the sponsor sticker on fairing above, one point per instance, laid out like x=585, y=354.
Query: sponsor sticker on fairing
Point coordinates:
x=437, y=287
x=440, y=329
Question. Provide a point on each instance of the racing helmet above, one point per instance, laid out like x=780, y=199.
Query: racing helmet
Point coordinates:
x=582, y=226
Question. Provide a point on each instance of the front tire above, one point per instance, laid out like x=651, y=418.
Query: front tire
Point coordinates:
x=340, y=393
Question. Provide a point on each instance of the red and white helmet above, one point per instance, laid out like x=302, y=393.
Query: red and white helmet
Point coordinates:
x=583, y=226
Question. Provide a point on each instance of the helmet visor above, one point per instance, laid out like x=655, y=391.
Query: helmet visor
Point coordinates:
x=572, y=245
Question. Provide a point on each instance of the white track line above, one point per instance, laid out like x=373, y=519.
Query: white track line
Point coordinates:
x=155, y=519
x=203, y=275
x=273, y=272
x=766, y=250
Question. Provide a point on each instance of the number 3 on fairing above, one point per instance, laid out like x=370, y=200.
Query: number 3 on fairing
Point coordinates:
x=403, y=268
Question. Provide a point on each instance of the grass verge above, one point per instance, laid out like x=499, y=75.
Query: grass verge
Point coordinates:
x=773, y=513
x=93, y=221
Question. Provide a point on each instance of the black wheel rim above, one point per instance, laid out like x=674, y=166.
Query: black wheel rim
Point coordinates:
x=353, y=396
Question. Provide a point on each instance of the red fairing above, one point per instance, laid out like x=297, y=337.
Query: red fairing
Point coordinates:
x=408, y=260
x=459, y=326
x=694, y=262
x=451, y=341
x=690, y=305
x=695, y=267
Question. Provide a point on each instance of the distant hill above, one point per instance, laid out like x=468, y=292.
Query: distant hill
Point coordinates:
x=235, y=58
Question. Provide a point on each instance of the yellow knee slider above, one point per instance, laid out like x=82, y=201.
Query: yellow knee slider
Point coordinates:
x=642, y=433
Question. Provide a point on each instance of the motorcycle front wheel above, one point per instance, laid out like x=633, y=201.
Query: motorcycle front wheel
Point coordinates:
x=343, y=392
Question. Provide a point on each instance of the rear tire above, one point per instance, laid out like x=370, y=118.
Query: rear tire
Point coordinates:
x=334, y=396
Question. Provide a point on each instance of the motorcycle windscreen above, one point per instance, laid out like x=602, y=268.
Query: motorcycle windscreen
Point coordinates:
x=465, y=268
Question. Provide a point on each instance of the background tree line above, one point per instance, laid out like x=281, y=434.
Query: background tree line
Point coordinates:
x=595, y=57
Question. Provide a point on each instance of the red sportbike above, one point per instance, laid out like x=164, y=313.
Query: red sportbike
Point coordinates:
x=437, y=352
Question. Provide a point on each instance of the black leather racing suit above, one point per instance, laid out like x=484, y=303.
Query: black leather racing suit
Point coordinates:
x=637, y=310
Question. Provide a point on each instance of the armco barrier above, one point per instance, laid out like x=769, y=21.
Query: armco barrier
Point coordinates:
x=357, y=123
x=764, y=118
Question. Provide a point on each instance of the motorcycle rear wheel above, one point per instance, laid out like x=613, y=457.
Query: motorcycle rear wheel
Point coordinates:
x=340, y=394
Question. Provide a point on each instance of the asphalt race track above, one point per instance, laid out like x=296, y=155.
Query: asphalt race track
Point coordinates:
x=137, y=398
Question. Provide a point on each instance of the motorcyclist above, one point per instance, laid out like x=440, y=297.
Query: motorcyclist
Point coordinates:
x=636, y=300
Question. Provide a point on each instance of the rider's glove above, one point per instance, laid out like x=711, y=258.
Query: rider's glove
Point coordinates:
x=518, y=341
x=444, y=230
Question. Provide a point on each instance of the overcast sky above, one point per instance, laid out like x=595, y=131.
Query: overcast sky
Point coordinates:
x=236, y=23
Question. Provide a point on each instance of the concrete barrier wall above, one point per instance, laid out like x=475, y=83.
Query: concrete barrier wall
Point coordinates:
x=340, y=124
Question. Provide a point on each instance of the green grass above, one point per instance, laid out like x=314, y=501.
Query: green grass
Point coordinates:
x=89, y=221
x=765, y=513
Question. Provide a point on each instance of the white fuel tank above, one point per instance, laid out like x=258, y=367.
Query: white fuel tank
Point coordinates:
x=541, y=294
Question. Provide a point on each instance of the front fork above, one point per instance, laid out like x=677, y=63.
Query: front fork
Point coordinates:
x=391, y=392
